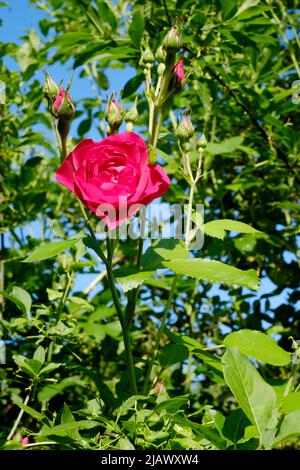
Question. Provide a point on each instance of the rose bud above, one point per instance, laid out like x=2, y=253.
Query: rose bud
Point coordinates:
x=130, y=117
x=147, y=57
x=202, y=142
x=185, y=129
x=178, y=72
x=63, y=107
x=173, y=39
x=161, y=54
x=50, y=88
x=113, y=115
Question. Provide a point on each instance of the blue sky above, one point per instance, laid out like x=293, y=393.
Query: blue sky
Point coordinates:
x=20, y=17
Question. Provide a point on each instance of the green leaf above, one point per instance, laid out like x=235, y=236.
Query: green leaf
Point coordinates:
x=20, y=297
x=229, y=8
x=39, y=354
x=50, y=391
x=214, y=271
x=129, y=279
x=49, y=250
x=31, y=367
x=162, y=250
x=210, y=360
x=171, y=406
x=259, y=346
x=67, y=417
x=173, y=353
x=235, y=425
x=104, y=391
x=256, y=398
x=227, y=146
x=66, y=428
x=125, y=444
x=247, y=4
x=50, y=367
x=291, y=402
x=217, y=228
x=136, y=28
x=132, y=85
x=35, y=414
x=290, y=427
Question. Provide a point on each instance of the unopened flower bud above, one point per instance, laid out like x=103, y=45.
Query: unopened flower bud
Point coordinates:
x=147, y=56
x=131, y=115
x=63, y=107
x=161, y=54
x=113, y=115
x=178, y=72
x=202, y=142
x=161, y=69
x=173, y=39
x=185, y=129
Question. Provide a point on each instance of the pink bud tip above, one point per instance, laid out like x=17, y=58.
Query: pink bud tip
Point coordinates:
x=178, y=70
x=25, y=441
x=59, y=98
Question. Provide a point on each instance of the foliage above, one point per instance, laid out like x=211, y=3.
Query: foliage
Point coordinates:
x=223, y=377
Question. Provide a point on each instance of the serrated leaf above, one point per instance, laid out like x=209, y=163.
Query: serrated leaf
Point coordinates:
x=217, y=228
x=49, y=250
x=129, y=280
x=214, y=271
x=259, y=346
x=256, y=397
x=162, y=250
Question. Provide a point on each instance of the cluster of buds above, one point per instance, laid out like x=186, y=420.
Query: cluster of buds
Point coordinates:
x=60, y=106
x=115, y=114
x=170, y=70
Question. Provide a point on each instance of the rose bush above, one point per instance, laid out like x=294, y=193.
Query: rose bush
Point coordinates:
x=113, y=177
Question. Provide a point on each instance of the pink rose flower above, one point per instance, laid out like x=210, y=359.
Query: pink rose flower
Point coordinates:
x=178, y=70
x=113, y=177
x=59, y=99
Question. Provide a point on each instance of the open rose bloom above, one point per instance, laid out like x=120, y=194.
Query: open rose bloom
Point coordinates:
x=112, y=177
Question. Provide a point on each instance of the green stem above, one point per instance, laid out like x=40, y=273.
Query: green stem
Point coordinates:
x=189, y=214
x=132, y=300
x=159, y=335
x=125, y=329
x=19, y=417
